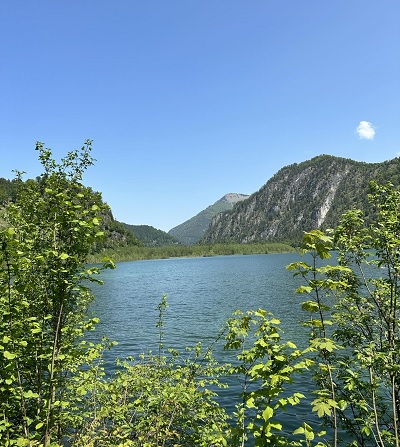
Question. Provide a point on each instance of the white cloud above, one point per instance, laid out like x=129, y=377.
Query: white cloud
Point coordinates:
x=366, y=130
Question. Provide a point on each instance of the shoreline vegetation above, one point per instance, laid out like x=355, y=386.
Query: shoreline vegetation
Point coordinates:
x=55, y=391
x=129, y=253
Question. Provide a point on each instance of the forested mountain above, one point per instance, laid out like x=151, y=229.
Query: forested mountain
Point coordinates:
x=115, y=234
x=191, y=231
x=150, y=236
x=301, y=197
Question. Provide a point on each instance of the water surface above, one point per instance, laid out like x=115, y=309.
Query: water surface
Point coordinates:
x=202, y=294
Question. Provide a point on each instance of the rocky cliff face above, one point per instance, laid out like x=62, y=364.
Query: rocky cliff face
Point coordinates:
x=233, y=198
x=301, y=197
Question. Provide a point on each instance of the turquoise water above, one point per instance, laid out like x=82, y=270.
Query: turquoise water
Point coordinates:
x=202, y=293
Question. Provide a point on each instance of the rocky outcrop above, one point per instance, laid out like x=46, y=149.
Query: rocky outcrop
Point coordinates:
x=300, y=197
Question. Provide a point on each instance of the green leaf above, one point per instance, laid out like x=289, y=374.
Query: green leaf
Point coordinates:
x=310, y=306
x=366, y=430
x=8, y=355
x=267, y=413
x=275, y=321
x=30, y=394
x=321, y=407
x=304, y=289
x=250, y=403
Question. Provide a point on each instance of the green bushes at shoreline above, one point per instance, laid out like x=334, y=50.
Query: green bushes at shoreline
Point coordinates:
x=130, y=253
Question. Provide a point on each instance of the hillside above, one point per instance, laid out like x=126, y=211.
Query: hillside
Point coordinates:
x=193, y=230
x=116, y=235
x=150, y=236
x=301, y=197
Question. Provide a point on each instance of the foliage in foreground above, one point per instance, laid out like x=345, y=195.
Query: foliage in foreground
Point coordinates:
x=53, y=385
x=354, y=322
x=51, y=227
x=160, y=399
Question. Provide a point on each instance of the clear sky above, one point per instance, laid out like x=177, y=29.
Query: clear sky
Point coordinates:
x=188, y=100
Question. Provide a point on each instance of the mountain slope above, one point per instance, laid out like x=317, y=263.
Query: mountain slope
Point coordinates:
x=150, y=236
x=301, y=197
x=115, y=234
x=191, y=231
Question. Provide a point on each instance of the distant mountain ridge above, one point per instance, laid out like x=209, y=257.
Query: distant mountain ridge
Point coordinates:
x=301, y=197
x=193, y=230
x=298, y=198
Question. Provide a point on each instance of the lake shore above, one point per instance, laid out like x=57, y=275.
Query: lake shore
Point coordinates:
x=128, y=253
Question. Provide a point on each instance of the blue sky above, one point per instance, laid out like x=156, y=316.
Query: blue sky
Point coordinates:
x=188, y=100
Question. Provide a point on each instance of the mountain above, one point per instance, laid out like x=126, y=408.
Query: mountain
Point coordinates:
x=301, y=197
x=150, y=236
x=192, y=231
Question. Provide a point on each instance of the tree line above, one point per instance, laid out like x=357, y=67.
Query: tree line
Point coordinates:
x=135, y=253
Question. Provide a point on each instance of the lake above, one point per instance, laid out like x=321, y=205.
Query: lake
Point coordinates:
x=202, y=294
